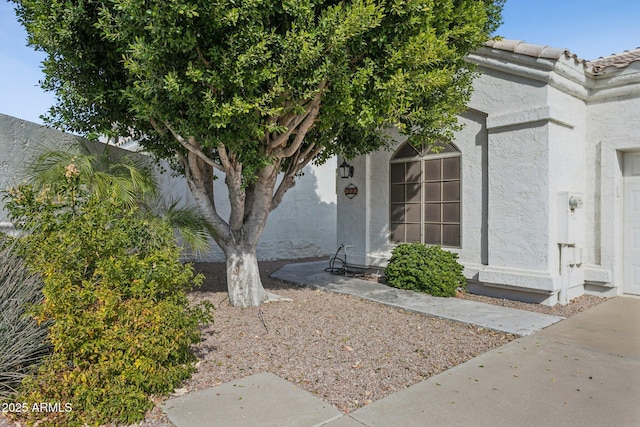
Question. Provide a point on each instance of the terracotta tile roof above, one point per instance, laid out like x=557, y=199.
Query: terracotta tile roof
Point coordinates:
x=618, y=60
x=524, y=48
x=596, y=66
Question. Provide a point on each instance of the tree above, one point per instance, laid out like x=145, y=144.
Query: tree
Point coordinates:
x=257, y=88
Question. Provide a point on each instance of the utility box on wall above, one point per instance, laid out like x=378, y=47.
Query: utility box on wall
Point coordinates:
x=570, y=218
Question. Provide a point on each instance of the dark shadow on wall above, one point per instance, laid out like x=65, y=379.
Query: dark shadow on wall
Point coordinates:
x=304, y=225
x=482, y=140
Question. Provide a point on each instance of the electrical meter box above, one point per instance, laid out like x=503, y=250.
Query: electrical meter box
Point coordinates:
x=570, y=218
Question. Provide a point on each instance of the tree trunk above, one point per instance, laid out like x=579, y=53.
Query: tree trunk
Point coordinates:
x=243, y=277
x=239, y=237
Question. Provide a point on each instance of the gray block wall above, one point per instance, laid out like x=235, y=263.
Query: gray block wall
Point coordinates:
x=304, y=225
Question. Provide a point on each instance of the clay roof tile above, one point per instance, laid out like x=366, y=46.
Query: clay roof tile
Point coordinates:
x=529, y=49
x=618, y=60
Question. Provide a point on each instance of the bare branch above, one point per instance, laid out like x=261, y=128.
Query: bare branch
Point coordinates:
x=201, y=186
x=310, y=156
x=291, y=125
x=248, y=200
x=236, y=201
x=154, y=124
x=308, y=123
x=286, y=120
x=267, y=135
x=224, y=159
x=288, y=181
x=306, y=152
x=191, y=145
x=202, y=58
x=292, y=122
x=261, y=203
x=233, y=180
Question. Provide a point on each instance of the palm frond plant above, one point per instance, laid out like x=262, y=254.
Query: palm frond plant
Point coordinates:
x=191, y=228
x=126, y=178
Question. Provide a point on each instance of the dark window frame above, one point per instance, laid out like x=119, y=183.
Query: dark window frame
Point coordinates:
x=434, y=216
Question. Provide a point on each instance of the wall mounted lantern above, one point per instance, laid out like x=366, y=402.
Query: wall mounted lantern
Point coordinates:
x=346, y=170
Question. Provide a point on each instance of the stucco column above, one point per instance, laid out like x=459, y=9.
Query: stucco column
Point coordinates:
x=518, y=225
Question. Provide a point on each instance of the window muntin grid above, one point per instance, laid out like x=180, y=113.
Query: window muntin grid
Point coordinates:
x=425, y=200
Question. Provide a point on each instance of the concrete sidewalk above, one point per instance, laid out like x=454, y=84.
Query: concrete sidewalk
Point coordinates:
x=582, y=371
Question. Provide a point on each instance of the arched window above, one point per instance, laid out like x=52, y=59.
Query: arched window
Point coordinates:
x=425, y=196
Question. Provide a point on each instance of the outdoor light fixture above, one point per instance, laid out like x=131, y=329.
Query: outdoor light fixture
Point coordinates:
x=346, y=170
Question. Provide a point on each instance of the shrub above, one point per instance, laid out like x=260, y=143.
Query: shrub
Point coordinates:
x=23, y=342
x=115, y=294
x=423, y=268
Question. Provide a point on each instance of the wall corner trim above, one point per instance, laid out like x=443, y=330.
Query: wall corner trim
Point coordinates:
x=545, y=113
x=524, y=280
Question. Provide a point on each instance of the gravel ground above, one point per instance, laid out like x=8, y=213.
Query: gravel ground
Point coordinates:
x=346, y=351
x=574, y=307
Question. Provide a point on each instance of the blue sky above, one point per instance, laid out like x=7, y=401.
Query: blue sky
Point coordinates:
x=587, y=28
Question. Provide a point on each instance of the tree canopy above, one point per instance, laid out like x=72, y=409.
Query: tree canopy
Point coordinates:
x=243, y=73
x=254, y=88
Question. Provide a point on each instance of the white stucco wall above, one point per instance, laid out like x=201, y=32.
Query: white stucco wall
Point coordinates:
x=538, y=131
x=304, y=225
x=518, y=187
x=518, y=198
x=612, y=126
x=520, y=220
x=354, y=222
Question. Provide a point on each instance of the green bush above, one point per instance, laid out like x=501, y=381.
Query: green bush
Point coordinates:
x=115, y=295
x=23, y=342
x=423, y=268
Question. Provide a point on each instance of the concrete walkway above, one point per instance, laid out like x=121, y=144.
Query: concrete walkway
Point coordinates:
x=502, y=319
x=582, y=371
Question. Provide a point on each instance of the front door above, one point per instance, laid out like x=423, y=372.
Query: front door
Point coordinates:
x=632, y=223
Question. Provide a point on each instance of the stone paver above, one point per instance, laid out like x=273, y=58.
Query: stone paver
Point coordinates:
x=258, y=400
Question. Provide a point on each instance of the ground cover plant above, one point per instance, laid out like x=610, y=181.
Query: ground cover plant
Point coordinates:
x=422, y=268
x=114, y=291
